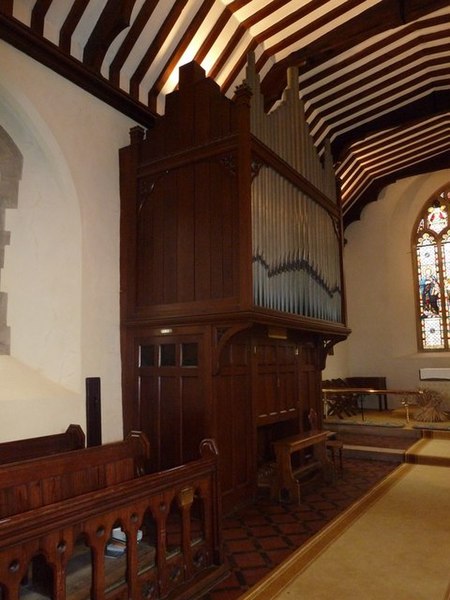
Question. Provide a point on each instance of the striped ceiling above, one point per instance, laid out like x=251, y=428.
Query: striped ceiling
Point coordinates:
x=374, y=74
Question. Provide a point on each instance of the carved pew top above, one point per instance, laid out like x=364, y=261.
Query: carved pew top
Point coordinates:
x=33, y=483
x=72, y=439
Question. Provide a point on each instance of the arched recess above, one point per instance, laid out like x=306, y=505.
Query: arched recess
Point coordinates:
x=11, y=162
x=42, y=270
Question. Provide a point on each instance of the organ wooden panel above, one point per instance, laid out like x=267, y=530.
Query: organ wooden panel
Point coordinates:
x=275, y=381
x=232, y=397
x=230, y=231
x=187, y=236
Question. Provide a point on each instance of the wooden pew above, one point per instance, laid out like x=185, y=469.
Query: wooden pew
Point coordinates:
x=72, y=439
x=290, y=476
x=30, y=484
x=59, y=514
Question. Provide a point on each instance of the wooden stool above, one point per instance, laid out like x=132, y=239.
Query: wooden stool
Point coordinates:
x=335, y=446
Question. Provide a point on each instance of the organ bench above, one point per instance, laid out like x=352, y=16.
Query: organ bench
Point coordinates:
x=289, y=477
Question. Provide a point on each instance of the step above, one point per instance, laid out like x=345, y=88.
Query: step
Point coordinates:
x=374, y=453
x=430, y=450
x=373, y=430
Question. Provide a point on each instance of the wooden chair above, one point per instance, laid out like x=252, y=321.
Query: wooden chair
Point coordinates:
x=340, y=404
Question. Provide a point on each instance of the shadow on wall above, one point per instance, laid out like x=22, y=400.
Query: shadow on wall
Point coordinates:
x=31, y=404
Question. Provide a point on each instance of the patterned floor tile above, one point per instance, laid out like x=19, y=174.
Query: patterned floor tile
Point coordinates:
x=259, y=537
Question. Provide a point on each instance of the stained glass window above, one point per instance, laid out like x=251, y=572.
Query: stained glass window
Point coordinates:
x=431, y=242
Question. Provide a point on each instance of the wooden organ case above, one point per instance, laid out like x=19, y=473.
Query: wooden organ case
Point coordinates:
x=231, y=276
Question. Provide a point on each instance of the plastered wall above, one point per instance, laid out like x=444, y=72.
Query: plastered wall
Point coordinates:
x=61, y=271
x=380, y=290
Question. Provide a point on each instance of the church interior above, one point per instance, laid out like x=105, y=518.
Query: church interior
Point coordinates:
x=224, y=299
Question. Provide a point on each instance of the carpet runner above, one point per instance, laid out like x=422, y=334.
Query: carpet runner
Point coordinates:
x=392, y=544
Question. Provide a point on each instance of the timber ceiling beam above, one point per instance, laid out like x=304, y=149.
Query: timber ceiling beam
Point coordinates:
x=114, y=18
x=23, y=38
x=435, y=103
x=372, y=192
x=387, y=14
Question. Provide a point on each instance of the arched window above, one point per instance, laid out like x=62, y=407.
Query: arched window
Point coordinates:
x=431, y=255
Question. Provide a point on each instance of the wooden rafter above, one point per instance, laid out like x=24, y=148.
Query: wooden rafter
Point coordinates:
x=177, y=53
x=69, y=25
x=130, y=40
x=347, y=74
x=154, y=47
x=113, y=19
x=38, y=15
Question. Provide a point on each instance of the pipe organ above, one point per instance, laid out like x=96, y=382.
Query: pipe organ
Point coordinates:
x=231, y=275
x=296, y=242
x=286, y=133
x=295, y=246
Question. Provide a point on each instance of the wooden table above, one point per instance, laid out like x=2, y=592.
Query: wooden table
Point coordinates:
x=288, y=485
x=359, y=393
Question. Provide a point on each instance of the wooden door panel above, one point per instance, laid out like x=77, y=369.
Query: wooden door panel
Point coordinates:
x=149, y=416
x=172, y=406
x=170, y=429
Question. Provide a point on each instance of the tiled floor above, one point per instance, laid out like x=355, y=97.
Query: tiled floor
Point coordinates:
x=261, y=536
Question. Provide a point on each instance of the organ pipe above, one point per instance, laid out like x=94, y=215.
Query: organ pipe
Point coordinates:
x=296, y=241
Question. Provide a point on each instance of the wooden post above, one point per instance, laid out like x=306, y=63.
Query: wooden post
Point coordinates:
x=93, y=412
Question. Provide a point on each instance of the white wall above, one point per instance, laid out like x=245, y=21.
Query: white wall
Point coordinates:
x=61, y=269
x=380, y=290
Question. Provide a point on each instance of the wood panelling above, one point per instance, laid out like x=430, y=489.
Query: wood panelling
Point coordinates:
x=186, y=236
x=261, y=391
x=275, y=381
x=234, y=423
x=181, y=206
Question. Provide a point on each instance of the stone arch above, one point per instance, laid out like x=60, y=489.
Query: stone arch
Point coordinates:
x=11, y=162
x=42, y=272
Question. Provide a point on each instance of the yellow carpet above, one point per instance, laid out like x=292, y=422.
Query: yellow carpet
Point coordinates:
x=392, y=545
x=434, y=451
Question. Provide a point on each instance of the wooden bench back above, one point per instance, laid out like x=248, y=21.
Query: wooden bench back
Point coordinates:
x=72, y=439
x=34, y=483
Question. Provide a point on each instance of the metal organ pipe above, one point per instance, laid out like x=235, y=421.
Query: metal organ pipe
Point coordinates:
x=296, y=244
x=296, y=250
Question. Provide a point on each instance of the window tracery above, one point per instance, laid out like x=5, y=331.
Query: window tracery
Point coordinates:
x=431, y=252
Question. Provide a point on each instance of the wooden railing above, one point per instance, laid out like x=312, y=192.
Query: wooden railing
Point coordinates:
x=154, y=536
